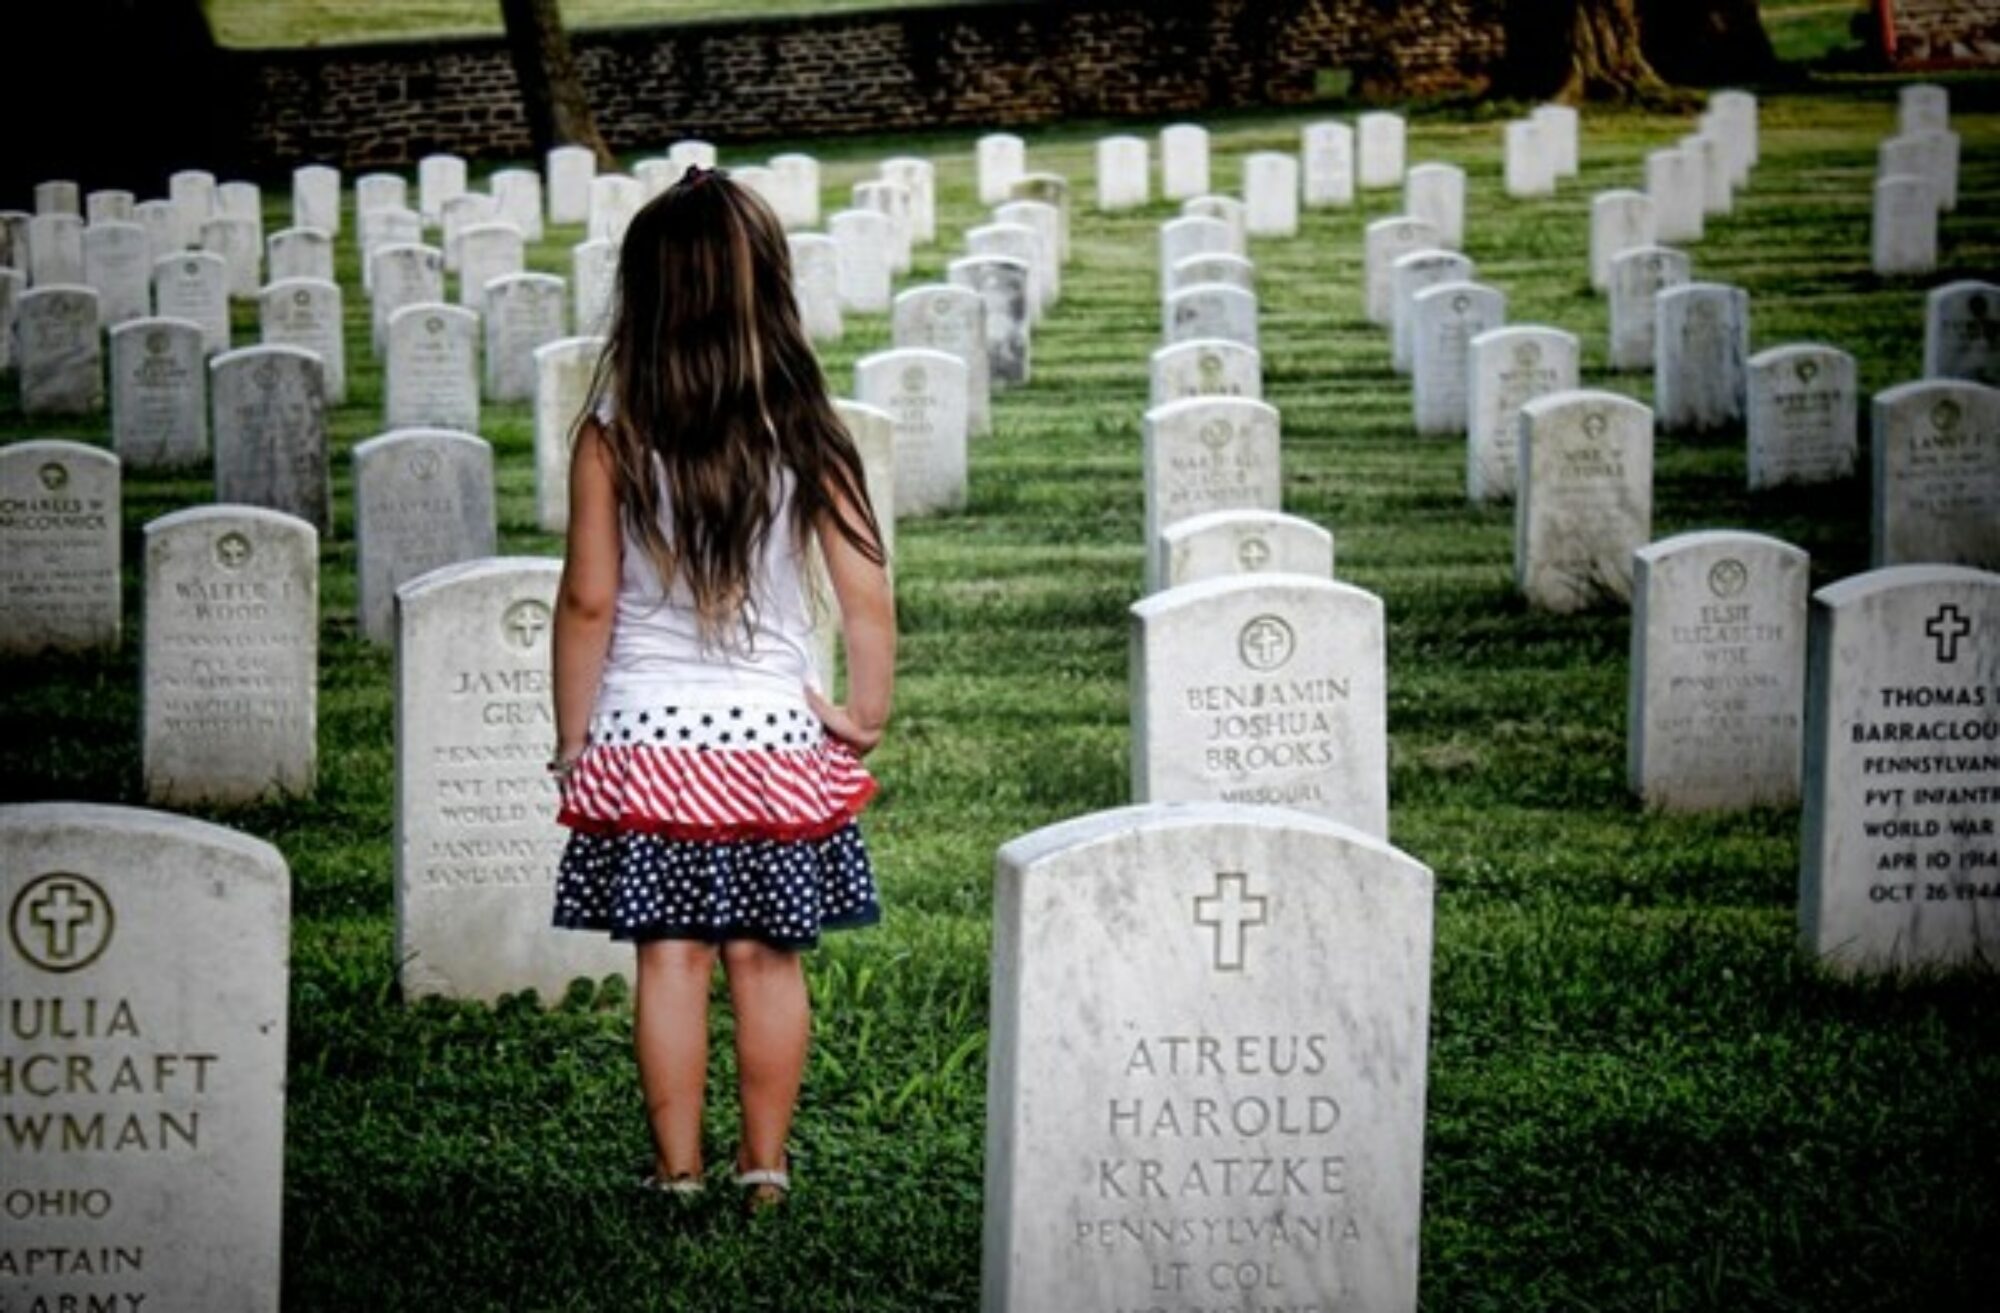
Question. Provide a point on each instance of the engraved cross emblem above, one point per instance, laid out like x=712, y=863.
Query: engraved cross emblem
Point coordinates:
x=59, y=914
x=1253, y=552
x=60, y=922
x=524, y=622
x=1945, y=629
x=1230, y=912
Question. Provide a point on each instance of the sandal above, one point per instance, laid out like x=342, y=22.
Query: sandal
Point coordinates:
x=685, y=1187
x=764, y=1188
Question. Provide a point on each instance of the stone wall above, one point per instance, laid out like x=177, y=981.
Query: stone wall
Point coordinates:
x=1941, y=33
x=1005, y=62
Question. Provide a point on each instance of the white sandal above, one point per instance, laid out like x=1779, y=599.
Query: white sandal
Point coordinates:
x=765, y=1187
x=684, y=1186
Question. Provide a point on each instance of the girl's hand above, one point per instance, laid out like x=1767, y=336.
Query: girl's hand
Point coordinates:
x=840, y=723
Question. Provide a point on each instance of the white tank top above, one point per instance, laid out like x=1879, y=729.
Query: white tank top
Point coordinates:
x=657, y=654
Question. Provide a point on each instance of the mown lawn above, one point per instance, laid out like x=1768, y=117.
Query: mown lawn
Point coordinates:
x=1640, y=1096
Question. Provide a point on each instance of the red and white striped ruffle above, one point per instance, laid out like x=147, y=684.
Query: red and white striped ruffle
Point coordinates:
x=716, y=794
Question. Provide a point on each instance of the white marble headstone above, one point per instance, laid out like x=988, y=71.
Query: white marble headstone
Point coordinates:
x=816, y=284
x=1903, y=235
x=241, y=246
x=1962, y=331
x=1016, y=241
x=268, y=414
x=55, y=250
x=1530, y=160
x=194, y=285
x=316, y=198
x=1803, y=416
x=1222, y=544
x=423, y=498
x=109, y=205
x=1207, y=454
x=192, y=192
x=1213, y=267
x=1206, y=367
x=1183, y=161
x=1900, y=863
x=1050, y=189
x=1559, y=124
x=1409, y=275
x=1124, y=177
x=477, y=844
x=691, y=150
x=159, y=394
x=1620, y=221
x=1384, y=241
x=1584, y=501
x=795, y=178
x=148, y=978
x=517, y=199
x=1263, y=688
x=563, y=372
x=404, y=273
x=569, y=169
x=1637, y=279
x=1443, y=321
x=1271, y=194
x=306, y=313
x=1211, y=310
x=1380, y=141
x=118, y=262
x=487, y=251
x=1046, y=222
x=1190, y=1000
x=594, y=275
x=952, y=319
x=1506, y=369
x=431, y=374
x=380, y=191
x=59, y=196
x=299, y=253
x=1002, y=283
x=1716, y=685
x=1435, y=193
x=924, y=392
x=1702, y=337
x=523, y=312
x=60, y=546
x=1326, y=163
x=59, y=351
x=440, y=177
x=1001, y=159
x=1230, y=210
x=229, y=693
x=1935, y=482
x=866, y=243
x=1923, y=107
x=1675, y=185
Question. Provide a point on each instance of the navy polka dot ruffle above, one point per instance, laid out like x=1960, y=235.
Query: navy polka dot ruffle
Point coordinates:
x=639, y=886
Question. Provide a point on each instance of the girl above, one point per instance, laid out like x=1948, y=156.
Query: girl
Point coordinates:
x=709, y=788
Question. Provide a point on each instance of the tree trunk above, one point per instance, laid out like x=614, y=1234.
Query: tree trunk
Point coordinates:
x=1707, y=42
x=551, y=89
x=1607, y=58
x=1629, y=50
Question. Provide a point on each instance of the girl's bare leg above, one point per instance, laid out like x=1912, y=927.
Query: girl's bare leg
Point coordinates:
x=670, y=1037
x=767, y=989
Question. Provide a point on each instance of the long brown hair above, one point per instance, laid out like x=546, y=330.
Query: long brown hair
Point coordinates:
x=714, y=391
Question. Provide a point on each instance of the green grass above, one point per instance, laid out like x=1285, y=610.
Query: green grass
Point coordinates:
x=1640, y=1096
x=279, y=23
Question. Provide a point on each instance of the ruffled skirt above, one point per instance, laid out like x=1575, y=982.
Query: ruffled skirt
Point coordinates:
x=715, y=823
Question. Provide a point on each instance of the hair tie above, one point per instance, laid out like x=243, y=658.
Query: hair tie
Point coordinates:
x=697, y=175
